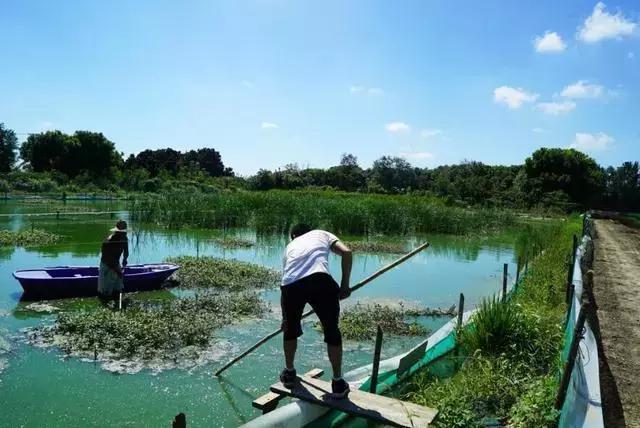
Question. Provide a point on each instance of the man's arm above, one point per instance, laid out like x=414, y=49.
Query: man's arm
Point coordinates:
x=347, y=261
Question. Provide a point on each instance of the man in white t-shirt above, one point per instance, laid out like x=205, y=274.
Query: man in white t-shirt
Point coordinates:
x=306, y=279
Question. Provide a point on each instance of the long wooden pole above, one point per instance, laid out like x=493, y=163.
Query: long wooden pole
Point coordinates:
x=571, y=359
x=309, y=312
x=376, y=362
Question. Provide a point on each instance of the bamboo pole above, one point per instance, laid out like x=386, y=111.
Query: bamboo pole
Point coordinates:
x=309, y=312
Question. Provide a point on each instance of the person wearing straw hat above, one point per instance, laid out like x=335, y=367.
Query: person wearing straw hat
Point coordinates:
x=110, y=283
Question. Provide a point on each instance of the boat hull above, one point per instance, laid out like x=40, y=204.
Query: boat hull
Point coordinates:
x=80, y=281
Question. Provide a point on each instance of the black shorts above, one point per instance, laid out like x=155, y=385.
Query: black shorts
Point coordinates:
x=321, y=292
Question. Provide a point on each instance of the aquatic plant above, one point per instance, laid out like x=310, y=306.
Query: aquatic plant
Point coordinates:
x=360, y=321
x=232, y=242
x=343, y=213
x=211, y=272
x=179, y=328
x=27, y=238
x=389, y=247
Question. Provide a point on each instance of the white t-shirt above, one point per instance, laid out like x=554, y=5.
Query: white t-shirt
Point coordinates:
x=306, y=255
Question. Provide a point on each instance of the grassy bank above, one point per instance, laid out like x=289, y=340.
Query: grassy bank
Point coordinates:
x=345, y=213
x=514, y=348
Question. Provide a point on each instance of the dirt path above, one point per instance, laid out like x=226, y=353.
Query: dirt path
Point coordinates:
x=616, y=290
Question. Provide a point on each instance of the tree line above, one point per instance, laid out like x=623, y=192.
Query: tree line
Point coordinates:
x=551, y=177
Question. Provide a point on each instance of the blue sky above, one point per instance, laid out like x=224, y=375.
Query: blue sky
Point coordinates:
x=271, y=82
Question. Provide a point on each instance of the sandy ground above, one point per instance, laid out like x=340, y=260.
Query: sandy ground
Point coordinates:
x=616, y=289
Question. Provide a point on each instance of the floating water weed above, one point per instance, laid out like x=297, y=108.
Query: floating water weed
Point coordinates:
x=232, y=242
x=211, y=272
x=360, y=321
x=377, y=247
x=27, y=238
x=160, y=330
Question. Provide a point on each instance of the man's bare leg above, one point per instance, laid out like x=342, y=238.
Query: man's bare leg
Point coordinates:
x=335, y=357
x=290, y=347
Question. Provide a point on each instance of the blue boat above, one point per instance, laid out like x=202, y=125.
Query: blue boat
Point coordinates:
x=77, y=281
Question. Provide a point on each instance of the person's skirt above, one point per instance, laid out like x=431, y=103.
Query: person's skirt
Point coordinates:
x=109, y=281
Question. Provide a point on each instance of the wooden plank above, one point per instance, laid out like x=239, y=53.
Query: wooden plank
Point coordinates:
x=359, y=403
x=269, y=401
x=411, y=358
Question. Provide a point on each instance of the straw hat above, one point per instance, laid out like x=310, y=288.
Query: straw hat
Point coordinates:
x=121, y=226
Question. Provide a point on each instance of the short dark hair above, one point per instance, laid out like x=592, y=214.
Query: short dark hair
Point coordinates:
x=299, y=230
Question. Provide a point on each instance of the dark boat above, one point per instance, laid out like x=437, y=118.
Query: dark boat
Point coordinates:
x=76, y=281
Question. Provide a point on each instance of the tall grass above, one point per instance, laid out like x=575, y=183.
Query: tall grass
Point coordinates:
x=347, y=213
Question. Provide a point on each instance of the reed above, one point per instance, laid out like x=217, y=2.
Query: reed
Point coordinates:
x=345, y=213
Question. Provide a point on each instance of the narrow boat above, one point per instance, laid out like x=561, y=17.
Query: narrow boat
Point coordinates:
x=76, y=281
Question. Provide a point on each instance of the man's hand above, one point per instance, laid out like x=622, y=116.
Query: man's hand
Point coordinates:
x=344, y=292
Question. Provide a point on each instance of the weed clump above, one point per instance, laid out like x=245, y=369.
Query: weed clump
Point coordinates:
x=377, y=247
x=210, y=272
x=163, y=330
x=27, y=238
x=232, y=242
x=360, y=322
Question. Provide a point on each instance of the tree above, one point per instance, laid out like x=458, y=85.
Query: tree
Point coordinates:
x=8, y=147
x=46, y=151
x=85, y=152
x=393, y=174
x=209, y=160
x=348, y=160
x=569, y=171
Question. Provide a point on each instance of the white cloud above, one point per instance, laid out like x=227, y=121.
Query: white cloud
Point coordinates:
x=582, y=89
x=398, y=127
x=549, y=43
x=631, y=55
x=513, y=97
x=269, y=125
x=592, y=142
x=247, y=84
x=602, y=25
x=556, y=108
x=357, y=89
x=47, y=126
x=539, y=130
x=430, y=133
x=416, y=155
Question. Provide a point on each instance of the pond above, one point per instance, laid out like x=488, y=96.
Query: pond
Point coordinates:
x=42, y=387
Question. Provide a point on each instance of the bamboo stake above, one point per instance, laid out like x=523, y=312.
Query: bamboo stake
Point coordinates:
x=309, y=312
x=571, y=359
x=376, y=362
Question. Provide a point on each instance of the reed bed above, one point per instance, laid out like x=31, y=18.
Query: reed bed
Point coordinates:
x=345, y=213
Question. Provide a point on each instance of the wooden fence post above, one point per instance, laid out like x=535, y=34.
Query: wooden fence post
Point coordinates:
x=376, y=362
x=517, y=273
x=505, y=270
x=180, y=421
x=460, y=311
x=571, y=359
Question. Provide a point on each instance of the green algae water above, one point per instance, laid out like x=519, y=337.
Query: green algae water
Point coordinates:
x=43, y=387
